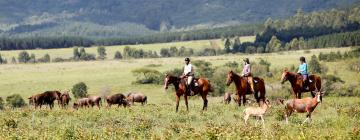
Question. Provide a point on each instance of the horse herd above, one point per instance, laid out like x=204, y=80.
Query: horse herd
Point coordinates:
x=49, y=97
x=306, y=105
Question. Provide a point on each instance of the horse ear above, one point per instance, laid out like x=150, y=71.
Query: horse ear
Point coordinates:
x=322, y=93
x=314, y=92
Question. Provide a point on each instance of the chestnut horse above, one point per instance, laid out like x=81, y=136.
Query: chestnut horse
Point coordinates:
x=296, y=82
x=243, y=87
x=203, y=89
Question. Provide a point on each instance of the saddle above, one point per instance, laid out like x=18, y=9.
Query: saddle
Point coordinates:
x=193, y=86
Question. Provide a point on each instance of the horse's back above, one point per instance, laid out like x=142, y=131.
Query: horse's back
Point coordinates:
x=315, y=79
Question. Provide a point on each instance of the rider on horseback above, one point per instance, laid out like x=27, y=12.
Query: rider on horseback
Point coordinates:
x=303, y=70
x=189, y=73
x=247, y=74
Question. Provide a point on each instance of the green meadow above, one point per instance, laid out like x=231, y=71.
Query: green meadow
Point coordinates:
x=335, y=118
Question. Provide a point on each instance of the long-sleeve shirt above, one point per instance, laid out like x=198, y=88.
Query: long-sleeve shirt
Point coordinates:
x=303, y=69
x=246, y=70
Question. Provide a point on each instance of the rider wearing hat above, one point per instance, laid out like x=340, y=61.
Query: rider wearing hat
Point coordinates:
x=303, y=70
x=247, y=73
x=189, y=72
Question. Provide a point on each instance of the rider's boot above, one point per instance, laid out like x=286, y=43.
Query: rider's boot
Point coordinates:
x=191, y=89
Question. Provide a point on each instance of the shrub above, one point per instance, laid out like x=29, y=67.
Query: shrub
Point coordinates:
x=79, y=90
x=102, y=52
x=218, y=80
x=23, y=57
x=15, y=101
x=58, y=59
x=203, y=68
x=32, y=58
x=118, y=55
x=2, y=61
x=355, y=66
x=44, y=59
x=314, y=65
x=233, y=64
x=1, y=103
x=175, y=72
x=13, y=60
x=147, y=76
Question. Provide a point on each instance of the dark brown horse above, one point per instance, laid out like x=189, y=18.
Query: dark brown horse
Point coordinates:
x=203, y=89
x=243, y=87
x=296, y=82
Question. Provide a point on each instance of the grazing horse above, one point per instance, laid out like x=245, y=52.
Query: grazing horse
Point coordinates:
x=203, y=89
x=296, y=82
x=243, y=87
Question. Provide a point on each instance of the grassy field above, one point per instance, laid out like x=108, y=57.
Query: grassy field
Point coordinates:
x=68, y=52
x=335, y=118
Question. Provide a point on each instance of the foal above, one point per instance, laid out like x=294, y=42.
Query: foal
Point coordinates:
x=307, y=105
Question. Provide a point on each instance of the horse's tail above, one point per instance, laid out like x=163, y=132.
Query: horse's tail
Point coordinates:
x=318, y=83
x=211, y=89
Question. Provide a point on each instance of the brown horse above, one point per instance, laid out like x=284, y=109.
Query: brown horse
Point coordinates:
x=203, y=89
x=296, y=82
x=243, y=87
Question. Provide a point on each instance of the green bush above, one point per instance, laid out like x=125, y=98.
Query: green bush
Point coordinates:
x=102, y=52
x=44, y=59
x=23, y=57
x=147, y=76
x=118, y=55
x=79, y=90
x=15, y=101
x=314, y=65
x=1, y=103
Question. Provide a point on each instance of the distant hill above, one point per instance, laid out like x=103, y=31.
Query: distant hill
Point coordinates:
x=119, y=18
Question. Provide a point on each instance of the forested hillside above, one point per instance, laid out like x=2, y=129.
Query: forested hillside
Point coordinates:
x=115, y=18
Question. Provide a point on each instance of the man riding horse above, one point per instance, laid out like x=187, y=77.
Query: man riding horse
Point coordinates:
x=189, y=74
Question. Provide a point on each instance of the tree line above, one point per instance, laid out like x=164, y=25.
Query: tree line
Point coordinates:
x=35, y=42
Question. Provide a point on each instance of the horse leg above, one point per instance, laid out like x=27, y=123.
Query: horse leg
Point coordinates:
x=294, y=94
x=177, y=103
x=246, y=117
x=244, y=99
x=256, y=96
x=186, y=102
x=239, y=100
x=205, y=101
x=299, y=95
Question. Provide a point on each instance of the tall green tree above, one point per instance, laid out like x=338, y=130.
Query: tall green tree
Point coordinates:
x=274, y=44
x=237, y=46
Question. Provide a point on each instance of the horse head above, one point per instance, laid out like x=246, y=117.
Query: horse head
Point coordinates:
x=230, y=78
x=167, y=81
x=284, y=76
